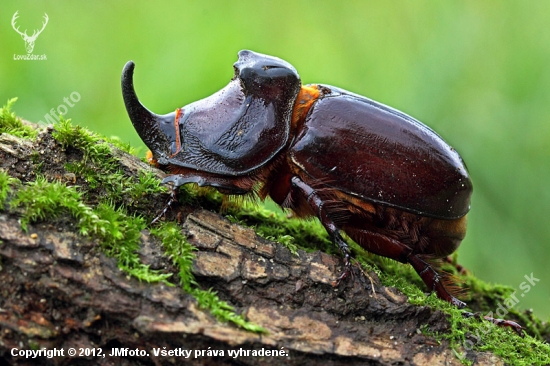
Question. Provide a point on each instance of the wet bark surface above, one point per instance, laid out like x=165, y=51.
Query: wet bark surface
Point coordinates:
x=60, y=291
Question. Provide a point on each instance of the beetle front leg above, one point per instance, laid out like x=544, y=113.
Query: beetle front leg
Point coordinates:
x=318, y=206
x=223, y=184
x=173, y=199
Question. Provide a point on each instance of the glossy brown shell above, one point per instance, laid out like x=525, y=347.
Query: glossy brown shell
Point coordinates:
x=381, y=155
x=243, y=126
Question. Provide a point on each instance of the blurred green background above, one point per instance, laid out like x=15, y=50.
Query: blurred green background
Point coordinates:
x=477, y=72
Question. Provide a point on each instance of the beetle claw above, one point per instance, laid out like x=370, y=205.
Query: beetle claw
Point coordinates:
x=347, y=271
x=456, y=302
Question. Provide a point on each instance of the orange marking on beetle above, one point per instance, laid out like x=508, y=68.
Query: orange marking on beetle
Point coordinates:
x=176, y=122
x=306, y=97
x=150, y=158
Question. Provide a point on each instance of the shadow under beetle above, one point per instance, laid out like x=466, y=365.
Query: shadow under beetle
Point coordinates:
x=389, y=182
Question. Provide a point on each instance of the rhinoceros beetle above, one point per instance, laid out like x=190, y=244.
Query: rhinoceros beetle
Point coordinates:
x=391, y=183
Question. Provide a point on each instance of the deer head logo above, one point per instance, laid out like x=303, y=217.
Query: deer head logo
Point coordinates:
x=29, y=40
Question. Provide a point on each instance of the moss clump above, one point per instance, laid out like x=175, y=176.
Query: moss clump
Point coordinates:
x=178, y=250
x=181, y=253
x=97, y=158
x=277, y=227
x=6, y=182
x=147, y=184
x=118, y=232
x=99, y=167
x=481, y=335
x=11, y=124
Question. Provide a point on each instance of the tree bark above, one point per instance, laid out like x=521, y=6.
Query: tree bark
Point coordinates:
x=60, y=291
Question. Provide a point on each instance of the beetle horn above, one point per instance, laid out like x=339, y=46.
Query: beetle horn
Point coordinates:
x=156, y=131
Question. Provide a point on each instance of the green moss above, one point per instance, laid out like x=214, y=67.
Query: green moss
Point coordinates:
x=147, y=184
x=73, y=136
x=99, y=167
x=178, y=250
x=118, y=232
x=481, y=335
x=10, y=123
x=181, y=253
x=6, y=182
x=124, y=146
x=40, y=199
x=294, y=234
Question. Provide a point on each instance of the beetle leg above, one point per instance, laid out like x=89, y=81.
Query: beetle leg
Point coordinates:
x=173, y=199
x=500, y=322
x=318, y=206
x=391, y=248
x=433, y=280
x=222, y=184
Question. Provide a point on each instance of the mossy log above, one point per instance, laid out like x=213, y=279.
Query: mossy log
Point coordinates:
x=59, y=290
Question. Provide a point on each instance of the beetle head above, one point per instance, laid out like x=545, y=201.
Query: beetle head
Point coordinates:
x=265, y=76
x=232, y=132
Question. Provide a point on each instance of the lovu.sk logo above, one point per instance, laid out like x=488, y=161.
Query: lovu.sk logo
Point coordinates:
x=29, y=40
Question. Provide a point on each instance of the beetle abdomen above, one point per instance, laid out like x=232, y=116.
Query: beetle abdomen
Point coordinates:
x=371, y=151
